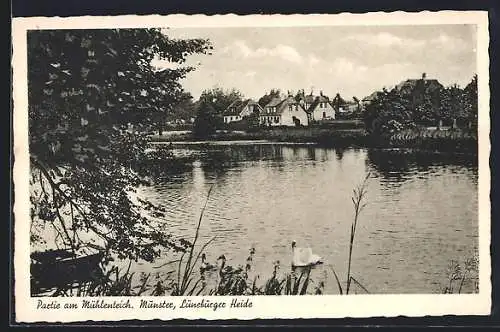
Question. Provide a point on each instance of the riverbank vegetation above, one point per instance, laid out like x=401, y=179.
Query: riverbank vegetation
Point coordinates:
x=89, y=91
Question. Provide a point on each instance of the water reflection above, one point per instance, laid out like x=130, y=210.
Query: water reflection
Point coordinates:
x=421, y=212
x=396, y=166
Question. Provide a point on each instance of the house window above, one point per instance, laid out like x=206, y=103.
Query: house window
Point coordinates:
x=324, y=115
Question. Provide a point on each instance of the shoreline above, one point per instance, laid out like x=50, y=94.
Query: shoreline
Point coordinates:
x=416, y=142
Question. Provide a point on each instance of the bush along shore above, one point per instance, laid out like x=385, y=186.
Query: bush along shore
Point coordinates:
x=434, y=140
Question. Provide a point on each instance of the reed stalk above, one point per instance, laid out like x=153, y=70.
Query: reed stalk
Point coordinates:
x=358, y=202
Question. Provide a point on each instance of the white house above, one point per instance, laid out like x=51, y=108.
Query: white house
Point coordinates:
x=318, y=108
x=239, y=109
x=321, y=109
x=284, y=112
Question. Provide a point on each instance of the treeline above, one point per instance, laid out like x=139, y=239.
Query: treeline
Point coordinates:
x=421, y=104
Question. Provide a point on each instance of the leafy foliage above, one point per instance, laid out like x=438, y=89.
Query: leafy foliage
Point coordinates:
x=207, y=120
x=211, y=105
x=91, y=92
x=420, y=105
x=388, y=114
x=337, y=102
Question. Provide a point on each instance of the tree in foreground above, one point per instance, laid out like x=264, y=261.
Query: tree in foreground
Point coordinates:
x=91, y=93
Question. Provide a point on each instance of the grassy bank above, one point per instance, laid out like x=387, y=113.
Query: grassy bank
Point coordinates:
x=454, y=141
x=323, y=136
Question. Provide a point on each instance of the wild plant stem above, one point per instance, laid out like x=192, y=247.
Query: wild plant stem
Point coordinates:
x=462, y=282
x=189, y=268
x=357, y=199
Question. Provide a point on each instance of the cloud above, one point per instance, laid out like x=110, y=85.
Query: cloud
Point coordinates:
x=250, y=73
x=313, y=60
x=450, y=43
x=442, y=41
x=284, y=52
x=385, y=39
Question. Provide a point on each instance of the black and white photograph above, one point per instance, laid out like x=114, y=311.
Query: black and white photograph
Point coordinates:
x=238, y=162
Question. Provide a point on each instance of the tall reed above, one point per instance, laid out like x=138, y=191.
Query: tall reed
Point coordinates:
x=185, y=271
x=358, y=202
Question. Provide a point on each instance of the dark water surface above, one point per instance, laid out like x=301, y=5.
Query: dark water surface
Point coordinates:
x=421, y=210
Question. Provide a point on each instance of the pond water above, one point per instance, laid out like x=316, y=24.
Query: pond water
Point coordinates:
x=421, y=211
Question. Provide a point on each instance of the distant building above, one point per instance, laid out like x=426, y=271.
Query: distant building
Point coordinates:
x=284, y=112
x=318, y=108
x=416, y=88
x=239, y=109
x=422, y=84
x=348, y=108
x=369, y=99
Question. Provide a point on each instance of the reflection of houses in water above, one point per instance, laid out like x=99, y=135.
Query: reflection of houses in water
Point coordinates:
x=390, y=166
x=198, y=175
x=397, y=166
x=339, y=153
x=291, y=153
x=311, y=153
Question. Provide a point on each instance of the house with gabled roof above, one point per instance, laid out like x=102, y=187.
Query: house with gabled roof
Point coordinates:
x=321, y=109
x=371, y=98
x=284, y=112
x=239, y=109
x=318, y=108
x=422, y=84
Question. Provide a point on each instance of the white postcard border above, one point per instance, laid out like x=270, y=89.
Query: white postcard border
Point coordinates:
x=325, y=306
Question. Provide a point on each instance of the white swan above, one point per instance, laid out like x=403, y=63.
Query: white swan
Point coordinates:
x=304, y=257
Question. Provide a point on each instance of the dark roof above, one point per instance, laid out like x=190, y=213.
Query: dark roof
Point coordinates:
x=410, y=84
x=236, y=107
x=281, y=105
x=315, y=100
x=274, y=102
x=372, y=97
x=323, y=99
x=309, y=99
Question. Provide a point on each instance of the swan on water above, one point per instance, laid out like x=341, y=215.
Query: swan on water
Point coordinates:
x=205, y=266
x=304, y=257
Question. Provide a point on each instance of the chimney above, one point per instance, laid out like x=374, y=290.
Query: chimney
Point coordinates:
x=321, y=93
x=423, y=76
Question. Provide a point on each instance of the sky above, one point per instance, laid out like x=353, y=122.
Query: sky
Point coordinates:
x=350, y=60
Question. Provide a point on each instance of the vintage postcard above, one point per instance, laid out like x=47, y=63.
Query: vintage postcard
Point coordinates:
x=245, y=167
